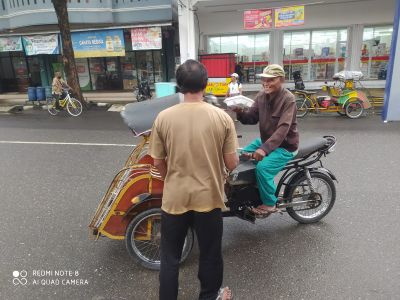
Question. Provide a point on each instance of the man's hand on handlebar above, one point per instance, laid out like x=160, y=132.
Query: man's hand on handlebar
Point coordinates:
x=259, y=154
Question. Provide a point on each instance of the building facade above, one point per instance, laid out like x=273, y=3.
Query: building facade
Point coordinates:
x=117, y=43
x=334, y=35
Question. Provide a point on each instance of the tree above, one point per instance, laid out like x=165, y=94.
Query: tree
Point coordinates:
x=60, y=6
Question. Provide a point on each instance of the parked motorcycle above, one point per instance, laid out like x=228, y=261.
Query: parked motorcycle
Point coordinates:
x=142, y=91
x=130, y=210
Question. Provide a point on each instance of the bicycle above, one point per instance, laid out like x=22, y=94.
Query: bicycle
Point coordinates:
x=74, y=106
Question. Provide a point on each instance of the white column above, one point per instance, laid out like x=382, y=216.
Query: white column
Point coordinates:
x=354, y=45
x=276, y=47
x=187, y=33
x=391, y=111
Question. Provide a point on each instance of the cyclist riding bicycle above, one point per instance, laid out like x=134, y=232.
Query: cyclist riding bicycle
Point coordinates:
x=57, y=89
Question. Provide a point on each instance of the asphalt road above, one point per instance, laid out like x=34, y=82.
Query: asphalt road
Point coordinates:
x=49, y=193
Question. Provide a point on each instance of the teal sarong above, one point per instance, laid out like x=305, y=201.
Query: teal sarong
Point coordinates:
x=267, y=169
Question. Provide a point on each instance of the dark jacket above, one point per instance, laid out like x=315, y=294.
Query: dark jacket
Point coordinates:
x=276, y=116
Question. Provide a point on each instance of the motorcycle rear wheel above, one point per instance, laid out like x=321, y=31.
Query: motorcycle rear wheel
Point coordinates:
x=143, y=239
x=324, y=186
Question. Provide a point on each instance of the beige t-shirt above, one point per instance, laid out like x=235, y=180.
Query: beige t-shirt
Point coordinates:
x=193, y=138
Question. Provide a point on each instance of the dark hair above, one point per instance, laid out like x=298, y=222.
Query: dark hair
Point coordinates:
x=191, y=77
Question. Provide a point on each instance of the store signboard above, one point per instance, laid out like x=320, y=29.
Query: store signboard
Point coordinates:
x=148, y=38
x=217, y=86
x=257, y=19
x=10, y=44
x=82, y=68
x=289, y=16
x=41, y=44
x=100, y=43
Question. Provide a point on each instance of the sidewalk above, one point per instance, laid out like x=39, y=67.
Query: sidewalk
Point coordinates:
x=11, y=99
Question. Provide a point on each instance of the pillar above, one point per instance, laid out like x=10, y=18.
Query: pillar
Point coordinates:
x=276, y=47
x=354, y=40
x=391, y=110
x=187, y=32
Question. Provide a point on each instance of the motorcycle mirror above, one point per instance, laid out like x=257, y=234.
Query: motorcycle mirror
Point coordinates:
x=211, y=99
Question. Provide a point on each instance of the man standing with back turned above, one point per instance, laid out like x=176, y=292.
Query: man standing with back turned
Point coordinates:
x=192, y=143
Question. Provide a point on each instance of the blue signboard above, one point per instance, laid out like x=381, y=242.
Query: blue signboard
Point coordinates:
x=98, y=43
x=41, y=44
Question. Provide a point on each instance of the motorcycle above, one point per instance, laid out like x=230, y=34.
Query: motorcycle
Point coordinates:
x=142, y=92
x=130, y=210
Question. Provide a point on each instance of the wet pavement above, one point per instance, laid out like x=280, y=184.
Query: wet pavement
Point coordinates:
x=49, y=193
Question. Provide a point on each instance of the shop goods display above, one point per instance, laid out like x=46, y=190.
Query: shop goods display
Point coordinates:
x=238, y=101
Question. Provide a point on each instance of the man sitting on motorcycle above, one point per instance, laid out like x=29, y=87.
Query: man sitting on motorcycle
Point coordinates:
x=275, y=111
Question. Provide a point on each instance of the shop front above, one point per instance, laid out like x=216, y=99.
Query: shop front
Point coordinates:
x=317, y=39
x=27, y=61
x=106, y=60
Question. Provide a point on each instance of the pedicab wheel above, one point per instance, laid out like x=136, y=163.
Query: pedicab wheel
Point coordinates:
x=302, y=105
x=354, y=109
x=50, y=106
x=143, y=239
x=325, y=196
x=74, y=107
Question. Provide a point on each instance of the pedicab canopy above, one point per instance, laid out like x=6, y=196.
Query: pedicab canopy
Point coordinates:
x=140, y=116
x=348, y=75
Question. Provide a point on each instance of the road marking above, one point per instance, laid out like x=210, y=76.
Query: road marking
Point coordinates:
x=62, y=143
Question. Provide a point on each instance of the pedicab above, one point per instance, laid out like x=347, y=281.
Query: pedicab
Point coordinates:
x=131, y=208
x=343, y=97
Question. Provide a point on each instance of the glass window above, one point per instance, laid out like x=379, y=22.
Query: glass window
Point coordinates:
x=375, y=51
x=97, y=73
x=296, y=54
x=214, y=44
x=318, y=54
x=261, y=47
x=34, y=70
x=229, y=44
x=113, y=74
x=251, y=49
x=158, y=75
x=323, y=53
x=129, y=72
x=145, y=66
x=245, y=47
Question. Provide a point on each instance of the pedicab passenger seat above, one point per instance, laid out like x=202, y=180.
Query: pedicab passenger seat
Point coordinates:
x=310, y=146
x=305, y=92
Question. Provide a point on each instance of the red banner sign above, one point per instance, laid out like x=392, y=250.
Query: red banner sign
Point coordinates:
x=258, y=19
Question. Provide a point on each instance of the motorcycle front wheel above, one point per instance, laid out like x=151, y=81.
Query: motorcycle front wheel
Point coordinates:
x=325, y=196
x=143, y=239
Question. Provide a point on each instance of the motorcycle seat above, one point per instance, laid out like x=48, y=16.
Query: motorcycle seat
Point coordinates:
x=310, y=146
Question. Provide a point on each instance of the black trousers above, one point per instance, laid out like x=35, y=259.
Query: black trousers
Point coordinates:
x=57, y=99
x=208, y=227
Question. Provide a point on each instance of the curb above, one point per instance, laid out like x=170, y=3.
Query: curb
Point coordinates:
x=18, y=108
